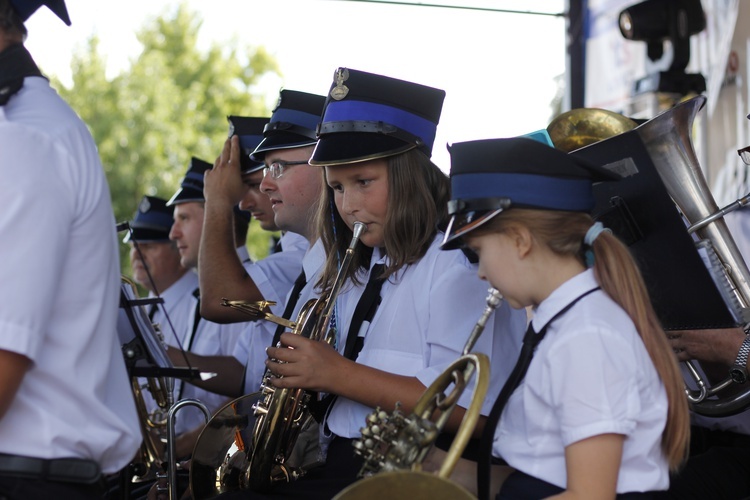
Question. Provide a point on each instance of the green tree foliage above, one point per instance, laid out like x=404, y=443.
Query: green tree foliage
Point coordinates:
x=169, y=105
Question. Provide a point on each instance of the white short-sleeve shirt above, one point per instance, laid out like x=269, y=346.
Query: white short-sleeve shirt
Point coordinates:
x=590, y=375
x=421, y=326
x=209, y=339
x=275, y=275
x=59, y=288
x=178, y=305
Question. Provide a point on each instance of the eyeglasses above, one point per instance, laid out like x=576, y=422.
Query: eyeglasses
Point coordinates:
x=745, y=154
x=276, y=169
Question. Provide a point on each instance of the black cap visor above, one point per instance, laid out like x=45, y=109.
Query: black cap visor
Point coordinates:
x=468, y=215
x=280, y=140
x=343, y=148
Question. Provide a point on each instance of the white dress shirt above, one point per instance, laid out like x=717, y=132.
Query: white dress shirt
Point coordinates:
x=60, y=286
x=178, y=304
x=590, y=375
x=421, y=326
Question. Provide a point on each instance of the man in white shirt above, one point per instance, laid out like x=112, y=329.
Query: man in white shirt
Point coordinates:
x=66, y=409
x=290, y=133
x=155, y=265
x=201, y=336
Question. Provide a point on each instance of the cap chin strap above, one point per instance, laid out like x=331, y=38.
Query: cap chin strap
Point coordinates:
x=290, y=128
x=478, y=205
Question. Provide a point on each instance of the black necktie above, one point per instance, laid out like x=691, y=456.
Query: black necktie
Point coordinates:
x=365, y=311
x=275, y=244
x=299, y=284
x=530, y=341
x=196, y=318
x=151, y=311
x=366, y=307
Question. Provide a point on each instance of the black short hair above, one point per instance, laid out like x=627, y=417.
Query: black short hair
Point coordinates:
x=10, y=22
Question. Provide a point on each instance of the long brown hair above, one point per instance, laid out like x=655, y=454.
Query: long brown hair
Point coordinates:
x=618, y=275
x=418, y=193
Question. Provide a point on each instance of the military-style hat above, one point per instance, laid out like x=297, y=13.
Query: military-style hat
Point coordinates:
x=191, y=187
x=250, y=132
x=151, y=223
x=370, y=116
x=492, y=175
x=27, y=7
x=292, y=124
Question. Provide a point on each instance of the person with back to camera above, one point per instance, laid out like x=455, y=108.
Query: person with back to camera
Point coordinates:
x=601, y=411
x=67, y=414
x=374, y=147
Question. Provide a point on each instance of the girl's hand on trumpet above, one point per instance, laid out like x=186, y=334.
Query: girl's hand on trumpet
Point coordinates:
x=305, y=364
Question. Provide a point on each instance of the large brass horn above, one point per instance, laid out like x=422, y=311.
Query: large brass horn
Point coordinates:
x=395, y=445
x=580, y=127
x=278, y=415
x=667, y=138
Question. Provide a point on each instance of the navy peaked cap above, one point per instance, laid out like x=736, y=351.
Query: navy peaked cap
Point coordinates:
x=152, y=221
x=26, y=8
x=191, y=187
x=250, y=132
x=293, y=123
x=369, y=116
x=492, y=175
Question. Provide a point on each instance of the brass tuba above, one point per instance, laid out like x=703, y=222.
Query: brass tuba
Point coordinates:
x=668, y=141
x=394, y=445
x=258, y=461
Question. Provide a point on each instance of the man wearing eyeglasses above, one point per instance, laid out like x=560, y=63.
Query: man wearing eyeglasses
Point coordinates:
x=293, y=189
x=288, y=140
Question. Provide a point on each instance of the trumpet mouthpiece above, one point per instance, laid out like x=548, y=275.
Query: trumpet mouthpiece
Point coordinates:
x=359, y=229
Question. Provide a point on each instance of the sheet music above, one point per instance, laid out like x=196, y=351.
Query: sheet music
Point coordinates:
x=140, y=326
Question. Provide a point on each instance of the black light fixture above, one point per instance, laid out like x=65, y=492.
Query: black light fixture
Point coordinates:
x=653, y=22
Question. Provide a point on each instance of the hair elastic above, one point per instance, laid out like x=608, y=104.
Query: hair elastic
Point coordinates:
x=591, y=235
x=594, y=231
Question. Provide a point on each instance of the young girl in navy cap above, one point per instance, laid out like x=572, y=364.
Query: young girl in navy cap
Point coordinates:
x=374, y=144
x=600, y=410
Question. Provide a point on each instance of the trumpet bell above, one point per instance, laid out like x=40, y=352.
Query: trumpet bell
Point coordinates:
x=580, y=127
x=404, y=484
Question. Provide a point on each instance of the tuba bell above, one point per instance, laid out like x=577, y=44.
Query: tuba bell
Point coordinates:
x=668, y=141
x=580, y=127
x=257, y=460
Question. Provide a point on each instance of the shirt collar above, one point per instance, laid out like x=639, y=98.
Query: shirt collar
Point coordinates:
x=562, y=296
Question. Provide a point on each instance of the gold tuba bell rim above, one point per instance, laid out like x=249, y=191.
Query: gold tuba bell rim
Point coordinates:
x=581, y=127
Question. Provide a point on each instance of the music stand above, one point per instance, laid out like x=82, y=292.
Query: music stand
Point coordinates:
x=639, y=210
x=144, y=353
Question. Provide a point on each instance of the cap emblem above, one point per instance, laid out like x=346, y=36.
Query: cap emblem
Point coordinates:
x=144, y=206
x=340, y=90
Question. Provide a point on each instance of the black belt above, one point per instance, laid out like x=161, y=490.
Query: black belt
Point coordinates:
x=64, y=470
